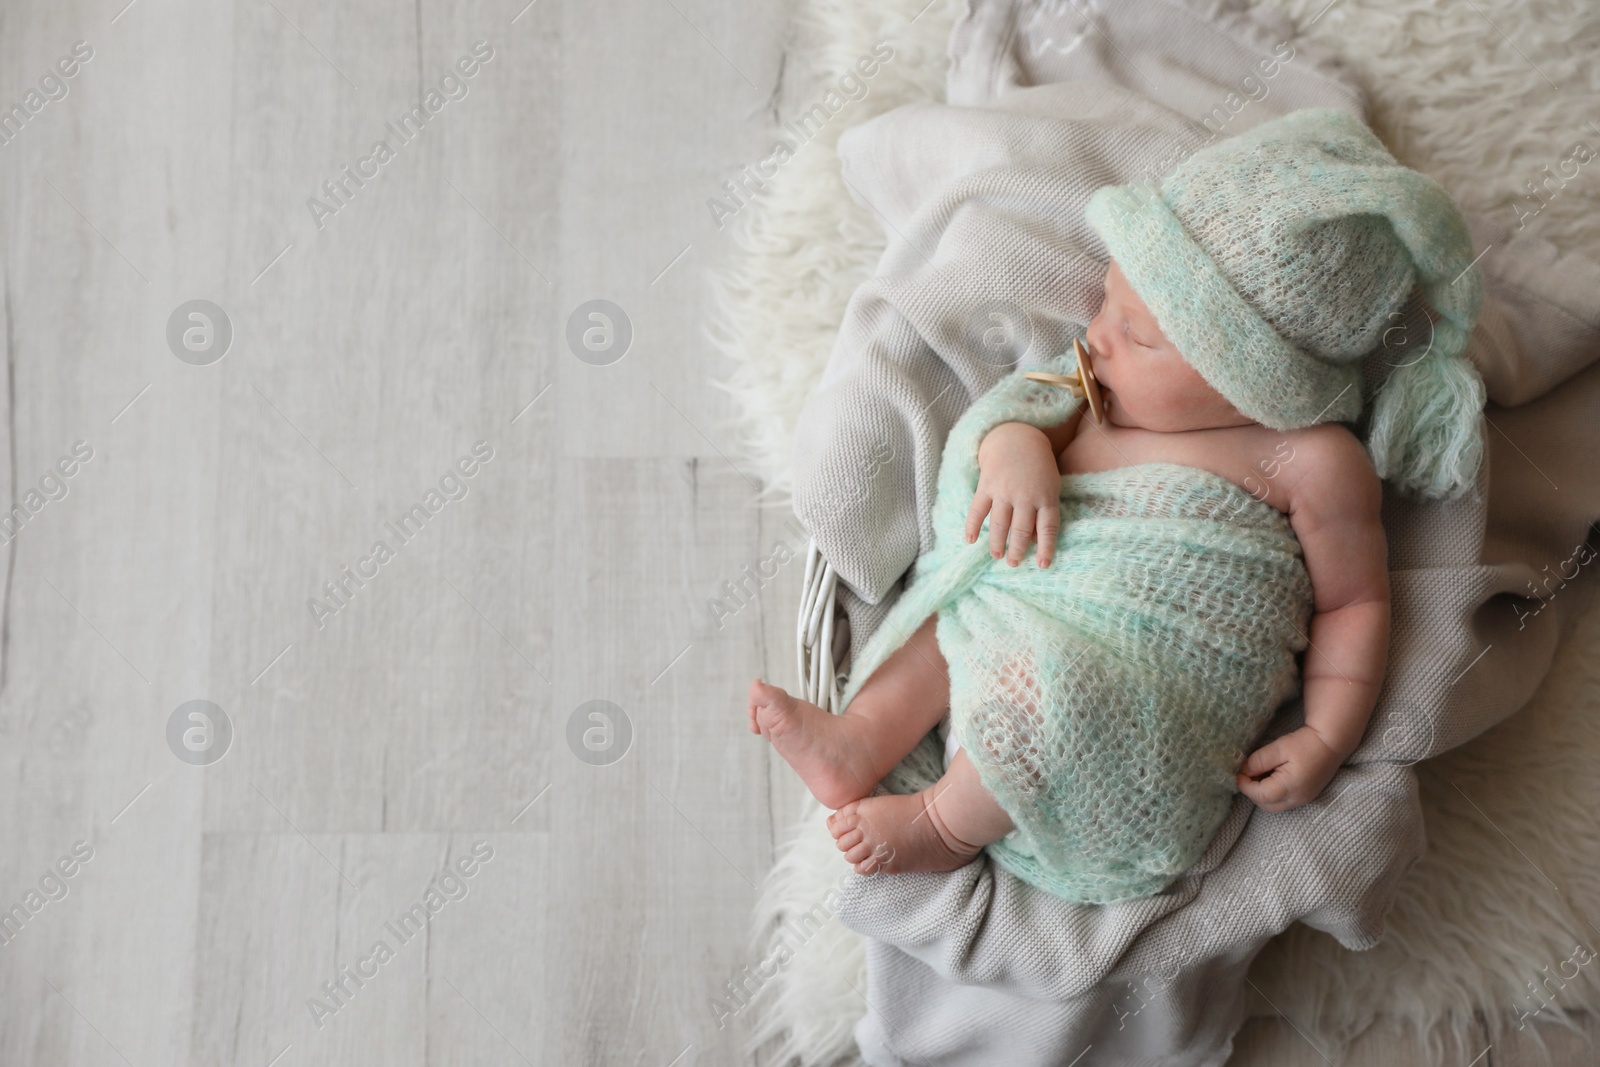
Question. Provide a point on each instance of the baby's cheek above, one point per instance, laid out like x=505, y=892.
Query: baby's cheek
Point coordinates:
x=1159, y=400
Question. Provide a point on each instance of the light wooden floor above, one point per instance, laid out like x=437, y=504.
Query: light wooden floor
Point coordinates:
x=425, y=722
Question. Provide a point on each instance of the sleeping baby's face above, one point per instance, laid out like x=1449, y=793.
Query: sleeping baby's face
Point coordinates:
x=1147, y=382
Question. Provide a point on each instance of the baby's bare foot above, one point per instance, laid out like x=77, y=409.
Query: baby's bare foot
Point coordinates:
x=821, y=747
x=897, y=833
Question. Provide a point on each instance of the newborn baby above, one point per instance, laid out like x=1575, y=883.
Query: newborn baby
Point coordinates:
x=1208, y=551
x=1158, y=410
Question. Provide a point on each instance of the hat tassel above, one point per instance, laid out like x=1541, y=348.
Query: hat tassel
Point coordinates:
x=1425, y=436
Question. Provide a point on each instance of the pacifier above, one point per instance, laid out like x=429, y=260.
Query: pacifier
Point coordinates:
x=1083, y=385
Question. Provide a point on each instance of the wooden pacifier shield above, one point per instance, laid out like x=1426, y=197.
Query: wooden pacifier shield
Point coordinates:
x=1088, y=382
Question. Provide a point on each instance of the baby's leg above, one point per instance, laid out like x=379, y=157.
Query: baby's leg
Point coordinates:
x=938, y=829
x=842, y=757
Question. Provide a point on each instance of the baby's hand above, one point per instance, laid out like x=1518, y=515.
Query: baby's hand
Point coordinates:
x=1296, y=768
x=1019, y=488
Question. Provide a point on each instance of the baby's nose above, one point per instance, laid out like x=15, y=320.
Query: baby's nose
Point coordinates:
x=1091, y=342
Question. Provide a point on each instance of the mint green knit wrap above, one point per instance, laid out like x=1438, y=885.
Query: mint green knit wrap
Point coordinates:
x=1107, y=701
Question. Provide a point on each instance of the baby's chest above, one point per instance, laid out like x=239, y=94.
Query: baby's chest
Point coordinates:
x=1258, y=460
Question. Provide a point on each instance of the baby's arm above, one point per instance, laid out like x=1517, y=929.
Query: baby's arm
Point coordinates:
x=1019, y=488
x=1334, y=507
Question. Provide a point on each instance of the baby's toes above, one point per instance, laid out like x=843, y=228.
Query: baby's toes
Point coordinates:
x=844, y=820
x=871, y=863
x=858, y=853
x=848, y=840
x=763, y=694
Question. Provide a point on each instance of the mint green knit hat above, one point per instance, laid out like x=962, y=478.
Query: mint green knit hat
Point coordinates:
x=1275, y=260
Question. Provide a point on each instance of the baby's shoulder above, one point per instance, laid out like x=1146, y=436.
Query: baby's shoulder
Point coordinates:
x=1334, y=476
x=1331, y=441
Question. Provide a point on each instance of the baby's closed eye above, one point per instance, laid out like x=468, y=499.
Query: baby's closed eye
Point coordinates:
x=1135, y=338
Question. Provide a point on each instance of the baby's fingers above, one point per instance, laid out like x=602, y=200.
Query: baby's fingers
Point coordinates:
x=1268, y=757
x=1271, y=790
x=1279, y=777
x=1049, y=525
x=975, y=514
x=1020, y=534
x=999, y=525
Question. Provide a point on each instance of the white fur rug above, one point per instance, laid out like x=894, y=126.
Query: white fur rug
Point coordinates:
x=1512, y=873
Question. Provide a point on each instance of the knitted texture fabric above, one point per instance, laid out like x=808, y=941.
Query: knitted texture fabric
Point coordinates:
x=1108, y=700
x=1276, y=260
